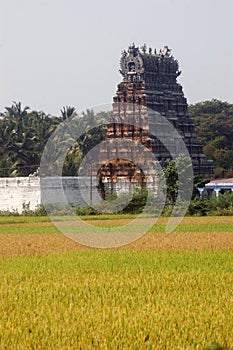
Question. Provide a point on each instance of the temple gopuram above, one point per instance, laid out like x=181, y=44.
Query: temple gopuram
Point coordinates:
x=150, y=89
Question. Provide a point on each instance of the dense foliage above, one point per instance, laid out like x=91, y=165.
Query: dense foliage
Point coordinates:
x=214, y=127
x=24, y=133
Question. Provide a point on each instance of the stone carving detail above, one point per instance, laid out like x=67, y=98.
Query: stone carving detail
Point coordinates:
x=131, y=64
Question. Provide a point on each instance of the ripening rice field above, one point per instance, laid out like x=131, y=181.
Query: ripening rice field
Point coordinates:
x=161, y=292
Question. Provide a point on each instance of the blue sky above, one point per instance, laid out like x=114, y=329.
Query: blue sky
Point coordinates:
x=66, y=52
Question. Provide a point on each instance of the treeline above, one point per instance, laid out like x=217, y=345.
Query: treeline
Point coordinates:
x=214, y=127
x=24, y=133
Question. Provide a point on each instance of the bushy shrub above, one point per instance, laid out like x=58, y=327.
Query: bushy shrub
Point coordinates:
x=221, y=205
x=118, y=204
x=85, y=211
x=39, y=211
x=9, y=213
x=199, y=207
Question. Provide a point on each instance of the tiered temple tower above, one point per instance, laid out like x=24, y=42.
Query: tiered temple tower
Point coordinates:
x=150, y=84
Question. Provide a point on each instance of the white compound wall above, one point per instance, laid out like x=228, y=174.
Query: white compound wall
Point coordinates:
x=17, y=192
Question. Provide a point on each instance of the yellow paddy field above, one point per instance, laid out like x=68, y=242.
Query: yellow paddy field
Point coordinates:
x=42, y=237
x=163, y=291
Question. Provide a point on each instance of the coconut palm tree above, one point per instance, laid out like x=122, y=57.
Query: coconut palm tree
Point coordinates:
x=67, y=112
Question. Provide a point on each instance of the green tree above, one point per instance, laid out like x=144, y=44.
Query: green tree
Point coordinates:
x=23, y=134
x=214, y=127
x=67, y=112
x=173, y=179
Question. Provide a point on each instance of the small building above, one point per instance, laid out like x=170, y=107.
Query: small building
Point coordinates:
x=218, y=185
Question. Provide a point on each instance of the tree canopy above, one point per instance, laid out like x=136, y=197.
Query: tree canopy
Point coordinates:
x=214, y=127
x=24, y=133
